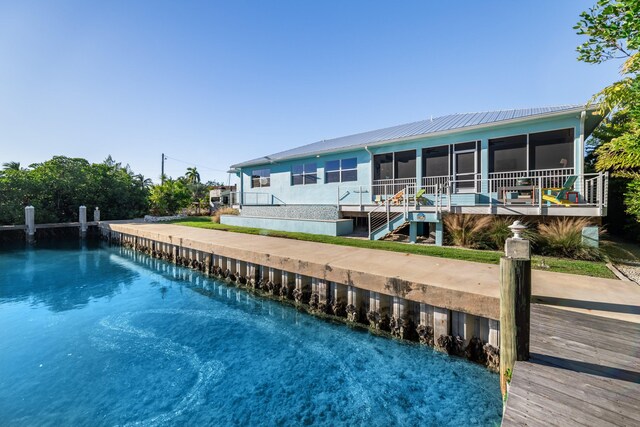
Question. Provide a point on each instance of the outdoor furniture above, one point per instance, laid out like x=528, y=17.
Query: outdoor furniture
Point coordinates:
x=558, y=196
x=574, y=194
x=525, y=194
x=397, y=198
x=419, y=197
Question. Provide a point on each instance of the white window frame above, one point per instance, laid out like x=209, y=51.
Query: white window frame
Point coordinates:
x=304, y=173
x=340, y=170
x=263, y=181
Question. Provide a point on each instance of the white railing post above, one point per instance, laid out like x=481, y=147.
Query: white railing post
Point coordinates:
x=539, y=195
x=605, y=201
x=599, y=201
x=388, y=212
x=360, y=190
x=405, y=200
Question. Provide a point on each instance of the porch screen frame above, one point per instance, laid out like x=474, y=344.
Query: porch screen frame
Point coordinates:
x=568, y=134
x=443, y=148
x=522, y=142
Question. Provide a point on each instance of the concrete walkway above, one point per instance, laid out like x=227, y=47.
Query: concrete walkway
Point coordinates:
x=459, y=285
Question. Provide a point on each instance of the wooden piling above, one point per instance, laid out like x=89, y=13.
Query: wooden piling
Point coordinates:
x=515, y=313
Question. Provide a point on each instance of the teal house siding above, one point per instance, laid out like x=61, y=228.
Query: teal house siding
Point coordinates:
x=283, y=192
x=321, y=192
x=462, y=151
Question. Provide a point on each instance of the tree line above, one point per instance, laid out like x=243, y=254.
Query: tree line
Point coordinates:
x=59, y=186
x=612, y=28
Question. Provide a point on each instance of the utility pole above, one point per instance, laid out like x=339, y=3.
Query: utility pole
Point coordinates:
x=162, y=173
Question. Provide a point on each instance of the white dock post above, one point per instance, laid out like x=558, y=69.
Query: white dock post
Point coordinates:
x=30, y=223
x=96, y=214
x=82, y=216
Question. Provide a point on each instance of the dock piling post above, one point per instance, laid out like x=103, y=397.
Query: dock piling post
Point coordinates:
x=515, y=303
x=30, y=223
x=96, y=214
x=82, y=217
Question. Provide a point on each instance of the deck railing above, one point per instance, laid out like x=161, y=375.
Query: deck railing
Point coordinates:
x=432, y=183
x=385, y=187
x=590, y=189
x=550, y=178
x=253, y=199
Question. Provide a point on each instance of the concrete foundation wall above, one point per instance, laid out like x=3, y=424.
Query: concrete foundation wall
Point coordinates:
x=317, y=212
x=338, y=227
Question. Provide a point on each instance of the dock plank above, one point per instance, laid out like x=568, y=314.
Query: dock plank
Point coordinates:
x=584, y=370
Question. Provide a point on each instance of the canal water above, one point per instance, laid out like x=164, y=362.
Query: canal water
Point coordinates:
x=99, y=336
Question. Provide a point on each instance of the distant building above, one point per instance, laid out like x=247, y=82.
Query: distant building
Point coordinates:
x=525, y=162
x=220, y=195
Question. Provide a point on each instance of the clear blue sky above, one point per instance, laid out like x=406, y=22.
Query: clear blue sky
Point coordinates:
x=215, y=83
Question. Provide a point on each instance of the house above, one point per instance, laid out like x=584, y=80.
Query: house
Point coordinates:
x=510, y=162
x=219, y=195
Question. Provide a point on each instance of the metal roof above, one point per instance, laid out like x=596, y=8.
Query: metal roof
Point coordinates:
x=448, y=123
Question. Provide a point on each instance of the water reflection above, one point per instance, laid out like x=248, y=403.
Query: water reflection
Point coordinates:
x=26, y=274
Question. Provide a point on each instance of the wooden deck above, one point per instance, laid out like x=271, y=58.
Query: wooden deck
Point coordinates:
x=584, y=370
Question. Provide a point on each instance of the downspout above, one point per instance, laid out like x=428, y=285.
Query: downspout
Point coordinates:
x=241, y=198
x=583, y=116
x=370, y=172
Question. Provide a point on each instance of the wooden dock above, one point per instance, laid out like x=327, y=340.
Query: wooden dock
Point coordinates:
x=584, y=370
x=45, y=226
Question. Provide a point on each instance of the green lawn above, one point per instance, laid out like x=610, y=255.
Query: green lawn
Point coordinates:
x=586, y=268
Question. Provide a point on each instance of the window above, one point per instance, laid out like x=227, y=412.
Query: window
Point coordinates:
x=304, y=174
x=551, y=150
x=341, y=170
x=261, y=178
x=508, y=154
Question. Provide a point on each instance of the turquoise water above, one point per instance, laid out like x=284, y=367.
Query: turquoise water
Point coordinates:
x=103, y=336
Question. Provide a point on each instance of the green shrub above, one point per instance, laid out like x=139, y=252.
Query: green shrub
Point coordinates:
x=466, y=230
x=563, y=237
x=499, y=231
x=223, y=211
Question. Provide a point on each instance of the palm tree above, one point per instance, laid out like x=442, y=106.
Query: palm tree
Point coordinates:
x=193, y=180
x=144, y=182
x=11, y=166
x=192, y=175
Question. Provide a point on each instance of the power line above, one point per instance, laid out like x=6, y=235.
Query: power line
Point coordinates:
x=196, y=164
